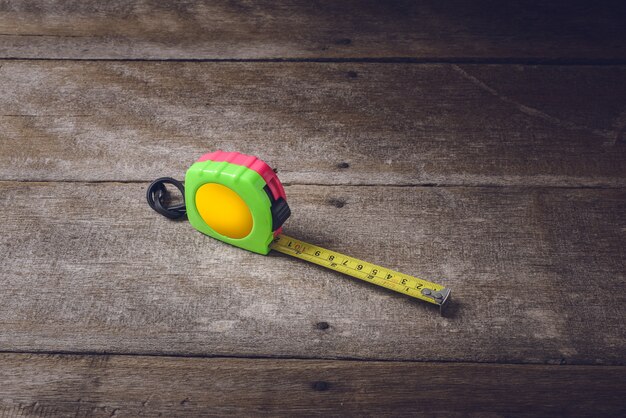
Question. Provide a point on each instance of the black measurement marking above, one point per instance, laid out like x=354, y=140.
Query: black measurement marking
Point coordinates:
x=317, y=253
x=359, y=267
x=403, y=281
x=369, y=276
x=374, y=272
x=289, y=245
x=418, y=286
x=333, y=264
x=331, y=257
x=345, y=262
x=389, y=276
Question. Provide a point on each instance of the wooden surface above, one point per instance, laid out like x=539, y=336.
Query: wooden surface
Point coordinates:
x=318, y=123
x=524, y=266
x=481, y=146
x=123, y=386
x=571, y=31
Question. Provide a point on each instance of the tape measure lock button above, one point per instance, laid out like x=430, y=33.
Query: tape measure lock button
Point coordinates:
x=280, y=210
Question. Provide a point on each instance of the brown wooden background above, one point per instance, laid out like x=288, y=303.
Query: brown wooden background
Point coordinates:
x=478, y=144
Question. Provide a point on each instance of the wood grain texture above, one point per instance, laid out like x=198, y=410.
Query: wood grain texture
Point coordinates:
x=121, y=386
x=537, y=276
x=151, y=29
x=318, y=123
x=347, y=100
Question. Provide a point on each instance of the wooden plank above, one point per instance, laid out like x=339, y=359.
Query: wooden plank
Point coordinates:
x=149, y=29
x=121, y=386
x=537, y=276
x=318, y=123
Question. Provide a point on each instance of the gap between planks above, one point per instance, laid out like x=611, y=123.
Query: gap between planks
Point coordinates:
x=538, y=61
x=339, y=184
x=170, y=355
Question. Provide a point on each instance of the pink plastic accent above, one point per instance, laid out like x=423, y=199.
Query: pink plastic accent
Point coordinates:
x=253, y=163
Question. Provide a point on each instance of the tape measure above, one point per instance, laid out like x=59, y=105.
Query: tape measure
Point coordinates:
x=239, y=199
x=372, y=273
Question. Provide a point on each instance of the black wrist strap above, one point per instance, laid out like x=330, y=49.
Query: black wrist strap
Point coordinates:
x=156, y=194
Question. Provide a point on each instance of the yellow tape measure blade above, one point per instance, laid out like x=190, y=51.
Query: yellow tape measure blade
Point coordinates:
x=399, y=282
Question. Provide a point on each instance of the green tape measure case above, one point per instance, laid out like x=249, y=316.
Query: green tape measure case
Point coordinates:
x=237, y=199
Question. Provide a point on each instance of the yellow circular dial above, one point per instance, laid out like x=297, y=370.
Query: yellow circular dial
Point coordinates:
x=224, y=210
